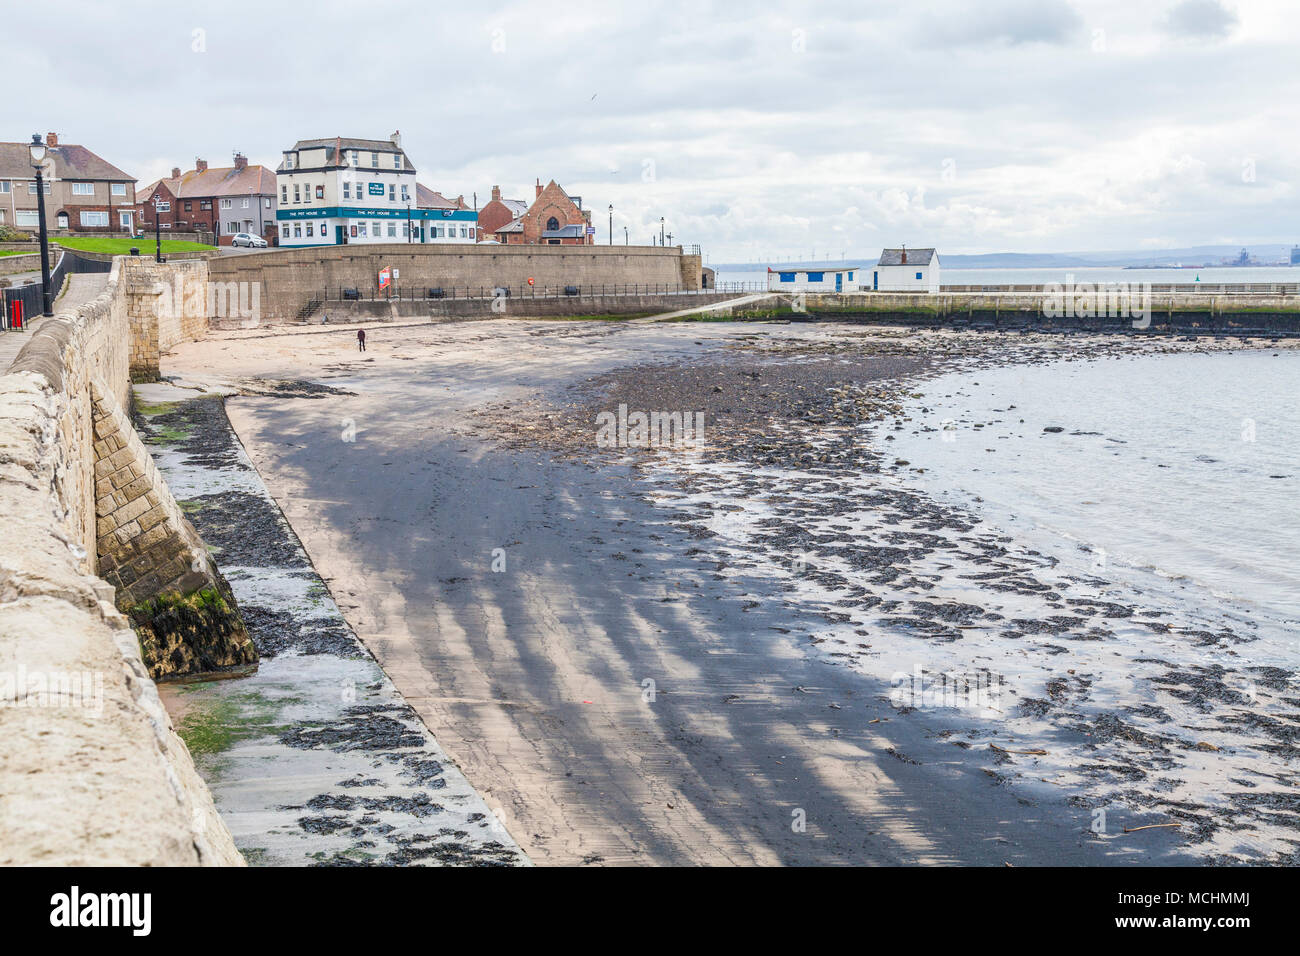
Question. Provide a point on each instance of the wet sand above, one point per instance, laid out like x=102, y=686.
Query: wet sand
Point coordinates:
x=613, y=690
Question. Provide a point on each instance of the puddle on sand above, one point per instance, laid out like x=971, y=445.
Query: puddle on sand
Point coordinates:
x=316, y=758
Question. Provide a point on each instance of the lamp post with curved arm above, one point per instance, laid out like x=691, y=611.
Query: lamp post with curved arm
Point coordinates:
x=38, y=151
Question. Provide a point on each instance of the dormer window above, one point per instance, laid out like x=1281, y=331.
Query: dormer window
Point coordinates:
x=374, y=160
x=288, y=160
x=397, y=160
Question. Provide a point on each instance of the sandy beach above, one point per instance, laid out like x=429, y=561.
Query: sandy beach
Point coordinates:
x=688, y=655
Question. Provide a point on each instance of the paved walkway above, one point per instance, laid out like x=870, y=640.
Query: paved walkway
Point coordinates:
x=726, y=306
x=81, y=289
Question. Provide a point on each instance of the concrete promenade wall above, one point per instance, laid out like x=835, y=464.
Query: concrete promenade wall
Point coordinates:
x=91, y=771
x=26, y=262
x=1171, y=311
x=524, y=307
x=292, y=278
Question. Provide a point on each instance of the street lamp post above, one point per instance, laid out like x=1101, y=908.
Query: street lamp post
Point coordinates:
x=409, y=238
x=661, y=230
x=625, y=238
x=611, y=224
x=157, y=230
x=37, y=150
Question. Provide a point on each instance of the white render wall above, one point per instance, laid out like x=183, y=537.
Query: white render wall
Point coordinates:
x=903, y=278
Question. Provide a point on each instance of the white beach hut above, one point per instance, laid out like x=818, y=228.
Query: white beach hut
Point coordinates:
x=904, y=270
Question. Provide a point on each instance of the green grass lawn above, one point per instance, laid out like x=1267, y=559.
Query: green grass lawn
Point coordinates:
x=122, y=247
x=18, y=252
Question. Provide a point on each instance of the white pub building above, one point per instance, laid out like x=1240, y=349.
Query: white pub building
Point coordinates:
x=338, y=191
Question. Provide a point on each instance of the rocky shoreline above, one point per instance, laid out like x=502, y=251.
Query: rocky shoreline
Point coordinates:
x=1119, y=708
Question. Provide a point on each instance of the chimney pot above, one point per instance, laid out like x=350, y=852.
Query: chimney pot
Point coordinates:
x=241, y=161
x=539, y=187
x=51, y=139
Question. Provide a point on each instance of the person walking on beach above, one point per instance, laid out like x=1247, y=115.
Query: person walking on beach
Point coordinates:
x=361, y=340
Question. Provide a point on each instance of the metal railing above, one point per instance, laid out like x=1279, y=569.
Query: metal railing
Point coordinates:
x=30, y=295
x=1162, y=288
x=407, y=293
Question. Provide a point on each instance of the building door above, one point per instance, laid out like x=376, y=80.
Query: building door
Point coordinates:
x=63, y=220
x=125, y=220
x=839, y=282
x=339, y=238
x=875, y=282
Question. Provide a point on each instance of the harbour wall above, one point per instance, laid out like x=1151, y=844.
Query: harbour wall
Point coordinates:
x=1198, y=312
x=293, y=283
x=92, y=771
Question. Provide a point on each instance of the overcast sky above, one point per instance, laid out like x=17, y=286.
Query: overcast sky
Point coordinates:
x=839, y=127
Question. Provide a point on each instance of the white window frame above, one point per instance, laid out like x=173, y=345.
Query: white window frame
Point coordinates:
x=245, y=206
x=226, y=203
x=83, y=189
x=118, y=189
x=94, y=218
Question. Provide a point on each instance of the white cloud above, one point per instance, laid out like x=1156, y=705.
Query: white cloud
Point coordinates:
x=771, y=130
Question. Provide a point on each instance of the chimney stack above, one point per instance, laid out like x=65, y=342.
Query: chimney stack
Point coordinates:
x=200, y=165
x=904, y=255
x=51, y=139
x=241, y=161
x=176, y=172
x=396, y=138
x=539, y=187
x=496, y=193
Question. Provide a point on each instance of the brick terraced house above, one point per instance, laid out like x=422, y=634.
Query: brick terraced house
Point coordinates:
x=84, y=193
x=222, y=201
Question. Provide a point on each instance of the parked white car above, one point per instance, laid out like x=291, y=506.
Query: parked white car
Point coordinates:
x=246, y=239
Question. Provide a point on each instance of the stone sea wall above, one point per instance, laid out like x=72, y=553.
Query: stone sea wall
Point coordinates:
x=92, y=771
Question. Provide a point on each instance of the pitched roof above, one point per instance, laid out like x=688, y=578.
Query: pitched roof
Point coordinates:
x=336, y=145
x=515, y=225
x=426, y=198
x=221, y=181
x=70, y=162
x=915, y=257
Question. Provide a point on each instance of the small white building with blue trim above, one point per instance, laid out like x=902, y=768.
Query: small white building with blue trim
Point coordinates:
x=904, y=270
x=840, y=279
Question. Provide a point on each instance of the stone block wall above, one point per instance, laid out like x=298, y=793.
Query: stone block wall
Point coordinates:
x=188, y=619
x=288, y=279
x=167, y=303
x=92, y=772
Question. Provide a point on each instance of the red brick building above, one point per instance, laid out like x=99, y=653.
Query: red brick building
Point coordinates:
x=221, y=201
x=499, y=212
x=555, y=218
